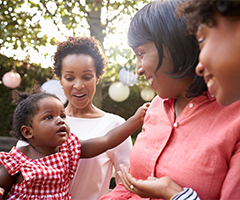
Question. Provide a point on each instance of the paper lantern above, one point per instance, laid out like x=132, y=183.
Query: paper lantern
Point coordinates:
x=147, y=94
x=127, y=77
x=118, y=92
x=54, y=87
x=11, y=79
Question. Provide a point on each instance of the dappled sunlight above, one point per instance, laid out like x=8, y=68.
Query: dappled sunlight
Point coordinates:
x=115, y=39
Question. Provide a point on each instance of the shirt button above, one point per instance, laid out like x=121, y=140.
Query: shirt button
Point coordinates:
x=190, y=105
x=175, y=125
x=211, y=95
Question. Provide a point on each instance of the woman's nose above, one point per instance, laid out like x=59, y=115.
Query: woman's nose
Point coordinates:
x=199, y=69
x=140, y=71
x=78, y=84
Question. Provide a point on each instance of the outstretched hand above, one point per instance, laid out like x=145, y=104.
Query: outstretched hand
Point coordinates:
x=1, y=192
x=153, y=187
x=141, y=111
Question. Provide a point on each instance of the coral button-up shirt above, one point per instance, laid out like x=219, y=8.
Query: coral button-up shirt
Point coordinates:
x=199, y=150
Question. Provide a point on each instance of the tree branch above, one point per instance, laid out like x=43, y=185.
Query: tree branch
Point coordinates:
x=109, y=21
x=82, y=7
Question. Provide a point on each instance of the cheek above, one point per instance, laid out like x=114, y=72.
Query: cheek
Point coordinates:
x=66, y=85
x=92, y=88
x=149, y=65
x=91, y=85
x=204, y=56
x=68, y=128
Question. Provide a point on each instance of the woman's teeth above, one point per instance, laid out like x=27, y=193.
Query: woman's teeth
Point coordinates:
x=79, y=95
x=210, y=82
x=150, y=81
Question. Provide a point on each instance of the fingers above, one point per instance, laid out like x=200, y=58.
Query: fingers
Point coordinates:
x=152, y=178
x=1, y=192
x=127, y=184
x=146, y=105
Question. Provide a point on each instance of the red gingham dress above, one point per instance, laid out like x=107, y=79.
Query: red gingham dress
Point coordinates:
x=44, y=178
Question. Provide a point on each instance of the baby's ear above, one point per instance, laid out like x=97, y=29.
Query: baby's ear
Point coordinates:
x=27, y=132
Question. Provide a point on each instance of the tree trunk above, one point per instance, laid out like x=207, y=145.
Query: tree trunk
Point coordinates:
x=94, y=20
x=96, y=29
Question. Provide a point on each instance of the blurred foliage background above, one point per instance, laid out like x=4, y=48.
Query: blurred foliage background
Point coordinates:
x=31, y=73
x=22, y=24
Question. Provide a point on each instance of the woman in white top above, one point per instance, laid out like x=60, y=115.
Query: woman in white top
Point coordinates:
x=93, y=175
x=79, y=63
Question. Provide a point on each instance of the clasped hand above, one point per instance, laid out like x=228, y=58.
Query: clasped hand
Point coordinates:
x=152, y=187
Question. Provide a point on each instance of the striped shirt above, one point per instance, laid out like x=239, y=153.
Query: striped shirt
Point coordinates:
x=186, y=194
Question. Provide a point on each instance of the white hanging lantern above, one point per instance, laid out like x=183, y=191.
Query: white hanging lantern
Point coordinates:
x=54, y=87
x=118, y=92
x=128, y=77
x=147, y=94
x=11, y=79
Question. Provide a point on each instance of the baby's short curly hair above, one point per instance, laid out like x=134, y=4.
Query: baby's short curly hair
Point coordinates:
x=80, y=45
x=201, y=11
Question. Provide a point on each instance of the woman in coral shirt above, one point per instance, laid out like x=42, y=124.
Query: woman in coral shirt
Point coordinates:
x=188, y=141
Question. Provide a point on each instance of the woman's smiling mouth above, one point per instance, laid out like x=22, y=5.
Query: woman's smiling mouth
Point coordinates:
x=79, y=95
x=210, y=81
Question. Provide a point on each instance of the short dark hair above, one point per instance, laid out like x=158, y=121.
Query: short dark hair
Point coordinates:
x=200, y=11
x=80, y=45
x=159, y=23
x=27, y=107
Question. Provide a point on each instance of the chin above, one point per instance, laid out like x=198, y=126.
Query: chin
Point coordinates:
x=224, y=101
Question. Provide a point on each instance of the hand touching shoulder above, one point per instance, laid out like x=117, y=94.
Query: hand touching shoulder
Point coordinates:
x=141, y=112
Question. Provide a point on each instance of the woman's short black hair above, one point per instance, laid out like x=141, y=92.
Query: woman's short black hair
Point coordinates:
x=27, y=107
x=159, y=22
x=80, y=45
x=200, y=11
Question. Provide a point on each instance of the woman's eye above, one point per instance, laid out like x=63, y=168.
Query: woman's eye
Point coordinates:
x=139, y=54
x=200, y=35
x=200, y=40
x=88, y=77
x=69, y=78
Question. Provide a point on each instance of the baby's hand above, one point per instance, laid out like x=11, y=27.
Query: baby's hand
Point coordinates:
x=1, y=192
x=141, y=111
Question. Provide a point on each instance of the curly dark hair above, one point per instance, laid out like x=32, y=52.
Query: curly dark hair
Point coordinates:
x=27, y=107
x=80, y=45
x=201, y=11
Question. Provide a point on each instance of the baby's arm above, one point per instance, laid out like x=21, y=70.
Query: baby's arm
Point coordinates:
x=6, y=181
x=96, y=146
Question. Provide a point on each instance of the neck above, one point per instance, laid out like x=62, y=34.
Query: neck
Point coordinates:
x=87, y=112
x=38, y=152
x=180, y=104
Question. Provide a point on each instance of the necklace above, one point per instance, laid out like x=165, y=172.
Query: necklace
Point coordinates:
x=178, y=111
